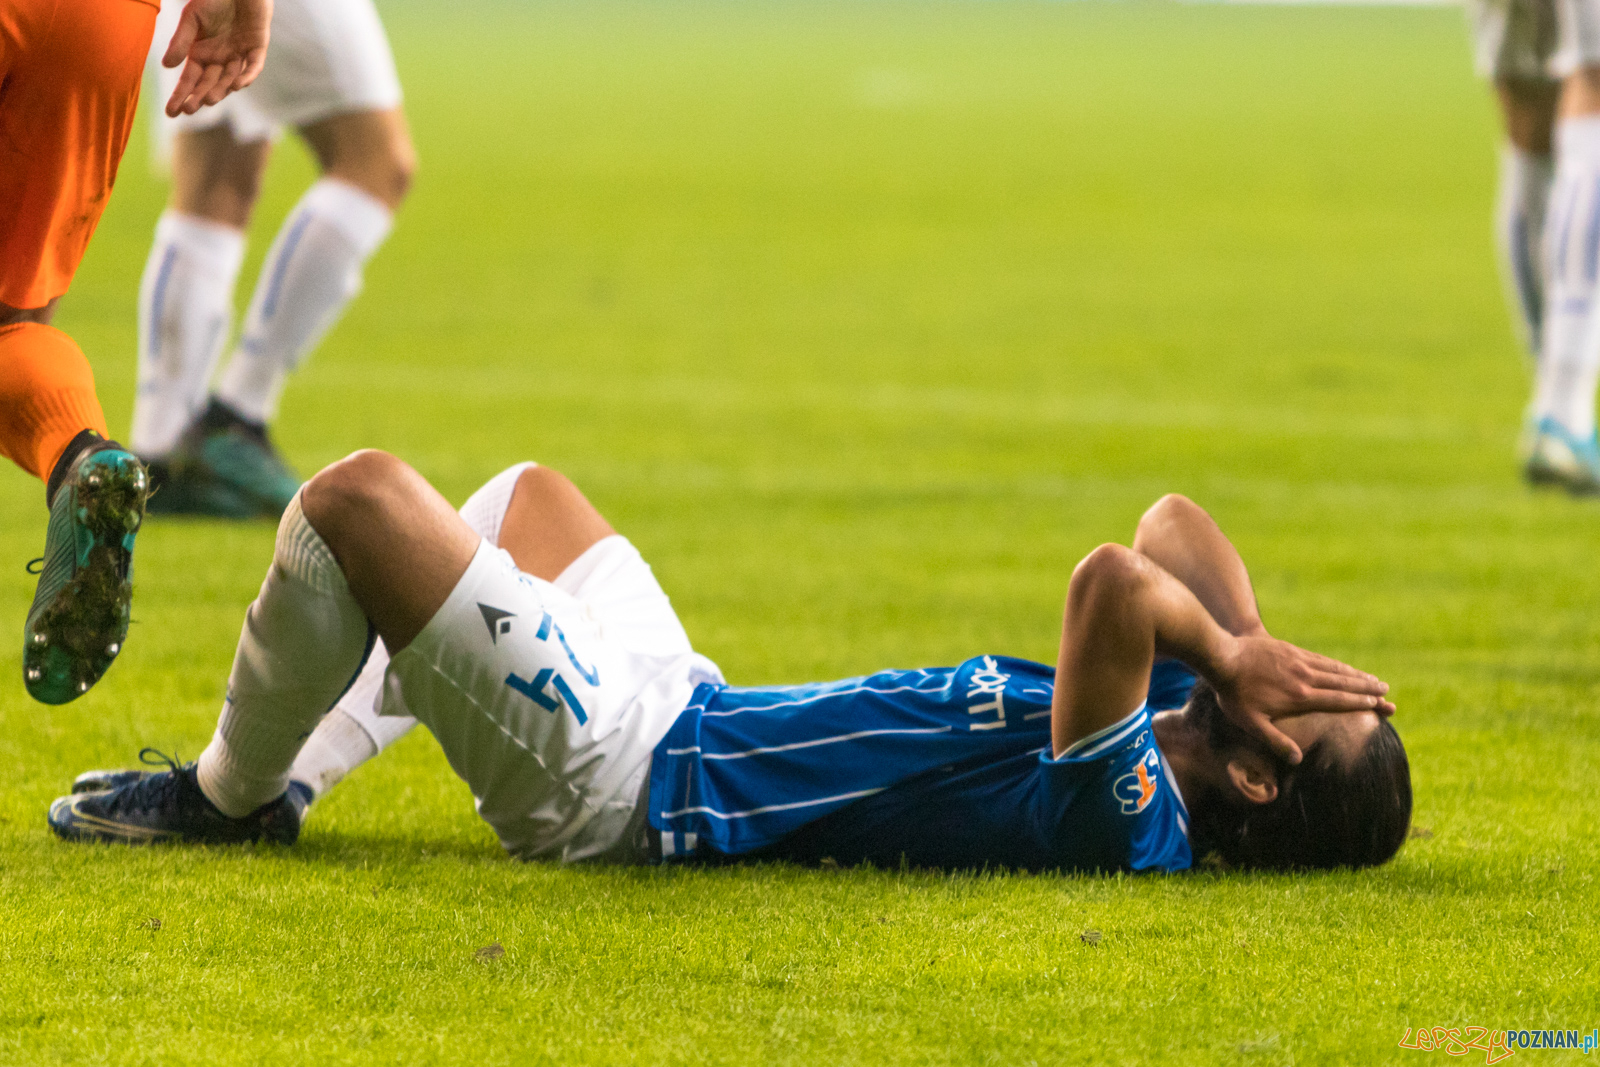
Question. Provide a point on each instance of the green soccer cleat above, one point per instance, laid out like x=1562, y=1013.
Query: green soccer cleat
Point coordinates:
x=187, y=488
x=79, y=618
x=170, y=806
x=224, y=466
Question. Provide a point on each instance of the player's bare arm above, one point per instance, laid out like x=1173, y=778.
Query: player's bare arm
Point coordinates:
x=1124, y=610
x=222, y=45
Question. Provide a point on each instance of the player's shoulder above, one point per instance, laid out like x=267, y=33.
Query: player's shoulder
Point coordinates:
x=1118, y=782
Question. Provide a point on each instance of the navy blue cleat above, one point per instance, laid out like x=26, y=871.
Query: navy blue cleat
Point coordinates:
x=104, y=781
x=143, y=807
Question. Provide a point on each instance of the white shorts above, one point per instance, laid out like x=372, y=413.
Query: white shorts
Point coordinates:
x=1534, y=40
x=327, y=57
x=547, y=697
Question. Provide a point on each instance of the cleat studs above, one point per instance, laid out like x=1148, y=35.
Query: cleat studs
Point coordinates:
x=34, y=674
x=113, y=648
x=41, y=638
x=83, y=687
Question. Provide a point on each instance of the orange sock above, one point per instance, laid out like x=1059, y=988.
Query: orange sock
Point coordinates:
x=46, y=396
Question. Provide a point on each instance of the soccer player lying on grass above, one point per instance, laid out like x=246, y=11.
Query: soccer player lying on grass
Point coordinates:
x=535, y=644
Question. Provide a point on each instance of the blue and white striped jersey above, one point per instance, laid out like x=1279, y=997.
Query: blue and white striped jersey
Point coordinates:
x=944, y=767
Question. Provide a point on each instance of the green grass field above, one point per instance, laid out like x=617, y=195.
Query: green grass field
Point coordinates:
x=865, y=321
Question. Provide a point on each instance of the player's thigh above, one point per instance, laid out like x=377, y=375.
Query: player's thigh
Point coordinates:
x=328, y=57
x=217, y=176
x=535, y=707
x=1514, y=40
x=549, y=523
x=1578, y=46
x=71, y=86
x=1528, y=112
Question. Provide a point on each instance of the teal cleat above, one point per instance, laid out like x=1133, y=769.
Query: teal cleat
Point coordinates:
x=187, y=488
x=224, y=466
x=1559, y=458
x=79, y=618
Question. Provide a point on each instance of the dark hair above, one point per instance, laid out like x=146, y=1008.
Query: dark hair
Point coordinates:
x=1328, y=812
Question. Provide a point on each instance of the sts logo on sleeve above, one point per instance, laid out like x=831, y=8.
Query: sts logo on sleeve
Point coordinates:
x=1136, y=790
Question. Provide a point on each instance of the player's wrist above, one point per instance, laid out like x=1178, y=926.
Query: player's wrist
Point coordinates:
x=1223, y=659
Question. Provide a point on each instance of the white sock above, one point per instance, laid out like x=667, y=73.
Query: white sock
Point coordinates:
x=1569, y=363
x=1519, y=215
x=311, y=273
x=304, y=639
x=185, y=309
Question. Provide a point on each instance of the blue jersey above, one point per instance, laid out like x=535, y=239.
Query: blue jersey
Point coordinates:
x=946, y=767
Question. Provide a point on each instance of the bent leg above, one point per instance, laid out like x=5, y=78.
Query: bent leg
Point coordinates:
x=399, y=544
x=314, y=268
x=186, y=294
x=354, y=731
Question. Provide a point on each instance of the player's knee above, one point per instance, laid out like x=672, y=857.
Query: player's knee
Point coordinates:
x=389, y=171
x=354, y=493
x=401, y=167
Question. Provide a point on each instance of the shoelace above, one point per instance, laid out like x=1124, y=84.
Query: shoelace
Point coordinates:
x=34, y=566
x=152, y=793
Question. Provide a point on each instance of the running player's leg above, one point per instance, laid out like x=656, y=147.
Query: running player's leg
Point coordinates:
x=71, y=76
x=1513, y=41
x=331, y=76
x=339, y=89
x=1569, y=365
x=186, y=299
x=1527, y=170
x=314, y=268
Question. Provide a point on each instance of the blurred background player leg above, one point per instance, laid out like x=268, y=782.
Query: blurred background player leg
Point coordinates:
x=330, y=75
x=1513, y=43
x=1564, y=450
x=71, y=82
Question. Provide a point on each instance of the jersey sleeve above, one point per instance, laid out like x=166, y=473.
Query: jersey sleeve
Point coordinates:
x=1110, y=801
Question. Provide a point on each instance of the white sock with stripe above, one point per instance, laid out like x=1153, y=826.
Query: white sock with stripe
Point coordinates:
x=304, y=639
x=185, y=310
x=311, y=274
x=1519, y=217
x=1569, y=365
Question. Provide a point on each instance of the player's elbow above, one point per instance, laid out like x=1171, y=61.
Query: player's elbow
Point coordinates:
x=1174, y=507
x=1111, y=573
